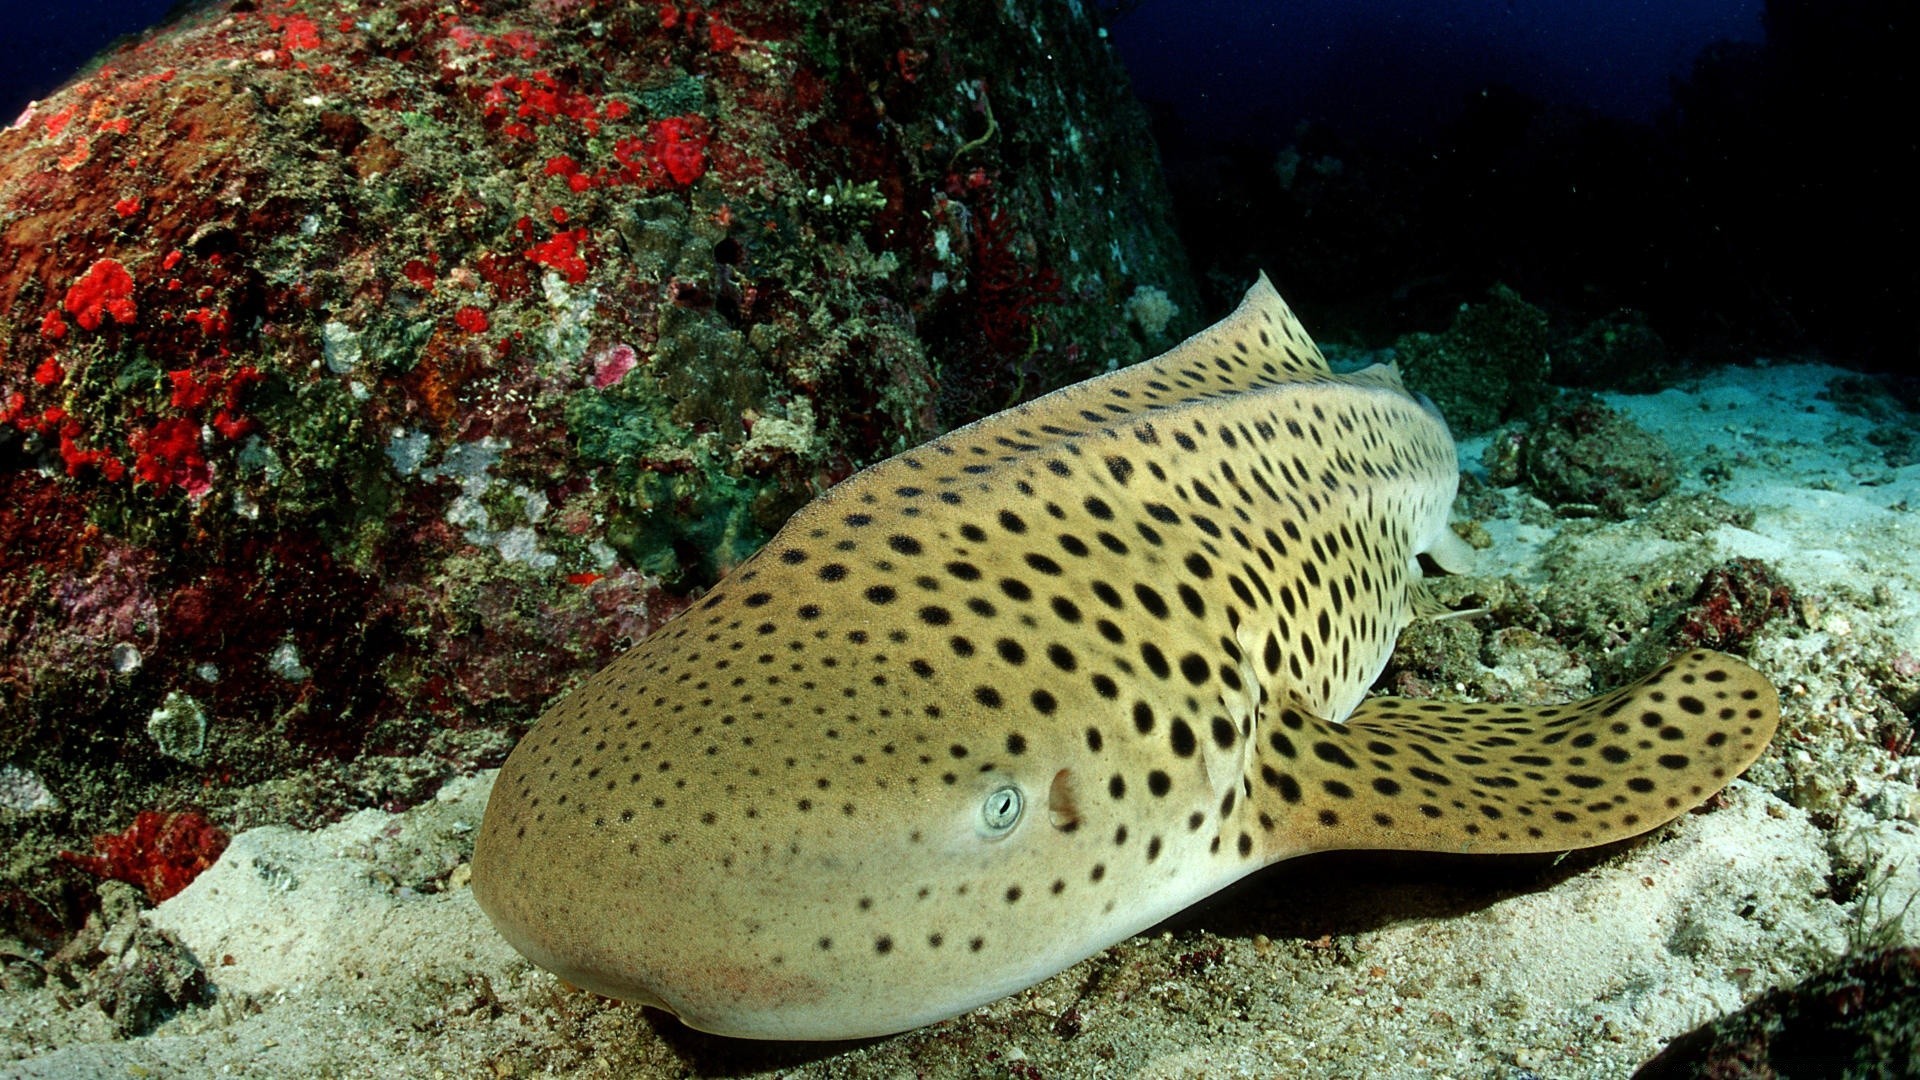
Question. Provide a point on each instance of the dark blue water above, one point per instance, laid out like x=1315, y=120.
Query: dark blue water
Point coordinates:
x=1250, y=69
x=1228, y=65
x=41, y=44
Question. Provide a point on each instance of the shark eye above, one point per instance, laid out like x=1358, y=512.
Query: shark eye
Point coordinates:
x=1001, y=811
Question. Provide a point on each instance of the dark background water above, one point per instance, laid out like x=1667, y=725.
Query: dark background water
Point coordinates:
x=1225, y=65
x=1735, y=172
x=1248, y=69
x=42, y=44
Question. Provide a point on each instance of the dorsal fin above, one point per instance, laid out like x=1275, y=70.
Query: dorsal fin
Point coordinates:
x=1260, y=343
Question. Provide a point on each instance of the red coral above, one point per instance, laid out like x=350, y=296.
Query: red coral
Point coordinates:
x=1733, y=602
x=105, y=289
x=161, y=853
x=78, y=457
x=471, y=319
x=674, y=152
x=298, y=33
x=680, y=145
x=1006, y=290
x=420, y=273
x=506, y=274
x=562, y=253
x=170, y=453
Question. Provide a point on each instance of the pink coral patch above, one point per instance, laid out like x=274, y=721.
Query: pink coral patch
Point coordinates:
x=612, y=366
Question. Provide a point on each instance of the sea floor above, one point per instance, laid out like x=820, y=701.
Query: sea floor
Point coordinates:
x=357, y=950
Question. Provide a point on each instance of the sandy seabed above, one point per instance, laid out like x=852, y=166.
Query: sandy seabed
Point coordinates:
x=357, y=950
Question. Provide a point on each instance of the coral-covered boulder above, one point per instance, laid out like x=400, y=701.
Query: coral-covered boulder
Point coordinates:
x=371, y=372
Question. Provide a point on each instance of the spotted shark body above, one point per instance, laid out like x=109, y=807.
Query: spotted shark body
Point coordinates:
x=1005, y=699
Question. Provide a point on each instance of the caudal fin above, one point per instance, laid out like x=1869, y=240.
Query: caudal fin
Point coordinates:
x=1437, y=776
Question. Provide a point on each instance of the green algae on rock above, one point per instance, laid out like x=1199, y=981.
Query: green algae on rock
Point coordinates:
x=1488, y=367
x=1583, y=459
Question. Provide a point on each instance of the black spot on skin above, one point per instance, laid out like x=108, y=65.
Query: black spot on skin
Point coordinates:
x=1333, y=755
x=832, y=571
x=1155, y=604
x=1159, y=783
x=1190, y=598
x=1155, y=660
x=1011, y=522
x=1194, y=667
x=880, y=594
x=904, y=545
x=1674, y=761
x=1182, y=739
x=1223, y=733
x=1043, y=564
x=1143, y=717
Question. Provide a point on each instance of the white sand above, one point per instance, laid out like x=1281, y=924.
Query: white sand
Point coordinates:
x=357, y=950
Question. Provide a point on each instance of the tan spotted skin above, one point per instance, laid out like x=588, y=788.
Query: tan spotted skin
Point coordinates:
x=1140, y=608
